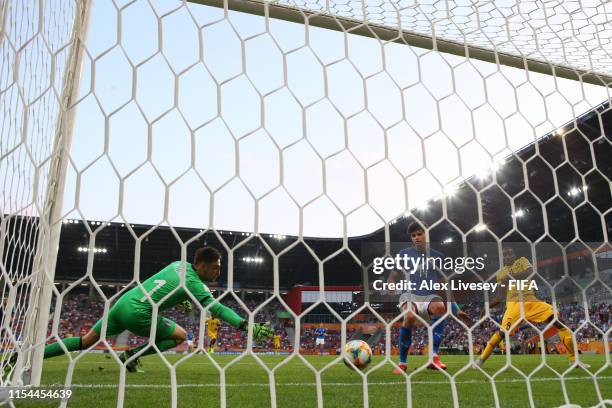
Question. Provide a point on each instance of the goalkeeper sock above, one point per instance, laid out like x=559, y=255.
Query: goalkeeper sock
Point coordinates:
x=162, y=345
x=405, y=340
x=437, y=335
x=491, y=345
x=566, y=338
x=55, y=349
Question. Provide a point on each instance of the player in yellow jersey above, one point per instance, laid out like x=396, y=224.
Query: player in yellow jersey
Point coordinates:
x=277, y=345
x=536, y=310
x=213, y=329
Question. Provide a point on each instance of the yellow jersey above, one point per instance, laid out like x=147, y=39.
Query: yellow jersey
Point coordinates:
x=213, y=326
x=276, y=341
x=512, y=295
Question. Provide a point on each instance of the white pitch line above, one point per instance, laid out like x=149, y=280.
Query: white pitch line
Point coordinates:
x=112, y=362
x=304, y=384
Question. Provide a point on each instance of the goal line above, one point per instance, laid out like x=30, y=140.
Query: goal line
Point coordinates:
x=313, y=384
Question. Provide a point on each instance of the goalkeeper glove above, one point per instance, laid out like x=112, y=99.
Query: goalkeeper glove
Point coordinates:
x=261, y=331
x=185, y=307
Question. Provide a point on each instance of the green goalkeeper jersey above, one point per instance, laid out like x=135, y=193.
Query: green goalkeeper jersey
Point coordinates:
x=168, y=281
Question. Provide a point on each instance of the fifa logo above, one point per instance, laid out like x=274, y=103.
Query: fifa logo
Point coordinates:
x=522, y=284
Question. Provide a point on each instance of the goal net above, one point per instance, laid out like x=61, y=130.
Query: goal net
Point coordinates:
x=301, y=139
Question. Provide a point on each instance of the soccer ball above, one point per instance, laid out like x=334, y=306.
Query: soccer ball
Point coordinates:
x=358, y=352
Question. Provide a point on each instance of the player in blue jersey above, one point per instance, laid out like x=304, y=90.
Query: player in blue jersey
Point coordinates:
x=190, y=345
x=424, y=302
x=320, y=340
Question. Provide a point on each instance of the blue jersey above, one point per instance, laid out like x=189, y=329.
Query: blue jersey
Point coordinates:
x=190, y=336
x=320, y=332
x=425, y=271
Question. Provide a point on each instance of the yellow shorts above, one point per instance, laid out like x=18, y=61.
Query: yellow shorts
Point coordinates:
x=535, y=312
x=212, y=335
x=276, y=345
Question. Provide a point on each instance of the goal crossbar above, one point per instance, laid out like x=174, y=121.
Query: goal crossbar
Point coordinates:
x=389, y=34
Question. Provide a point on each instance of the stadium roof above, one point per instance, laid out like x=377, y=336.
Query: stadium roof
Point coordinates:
x=539, y=166
x=589, y=154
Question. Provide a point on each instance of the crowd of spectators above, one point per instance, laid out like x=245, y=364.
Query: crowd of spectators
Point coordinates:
x=80, y=311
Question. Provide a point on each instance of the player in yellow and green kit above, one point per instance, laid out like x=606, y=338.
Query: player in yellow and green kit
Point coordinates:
x=213, y=329
x=536, y=310
x=133, y=311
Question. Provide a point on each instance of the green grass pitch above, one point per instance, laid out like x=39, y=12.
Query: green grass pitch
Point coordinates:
x=96, y=378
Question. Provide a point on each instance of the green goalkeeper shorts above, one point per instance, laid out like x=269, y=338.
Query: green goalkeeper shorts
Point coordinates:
x=123, y=316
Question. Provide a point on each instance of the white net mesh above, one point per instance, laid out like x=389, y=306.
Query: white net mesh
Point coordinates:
x=35, y=38
x=292, y=137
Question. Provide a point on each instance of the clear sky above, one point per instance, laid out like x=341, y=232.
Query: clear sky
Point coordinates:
x=305, y=118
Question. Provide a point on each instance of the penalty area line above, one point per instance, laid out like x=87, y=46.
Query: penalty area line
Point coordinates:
x=334, y=384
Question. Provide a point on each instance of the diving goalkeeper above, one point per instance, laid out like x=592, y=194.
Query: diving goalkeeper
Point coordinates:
x=133, y=310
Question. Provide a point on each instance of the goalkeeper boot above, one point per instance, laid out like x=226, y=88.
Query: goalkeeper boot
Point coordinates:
x=133, y=366
x=436, y=363
x=401, y=368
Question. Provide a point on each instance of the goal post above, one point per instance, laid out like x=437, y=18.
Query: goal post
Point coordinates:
x=53, y=210
x=30, y=338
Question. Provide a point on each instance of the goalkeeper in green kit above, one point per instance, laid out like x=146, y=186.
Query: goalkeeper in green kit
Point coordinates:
x=133, y=310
